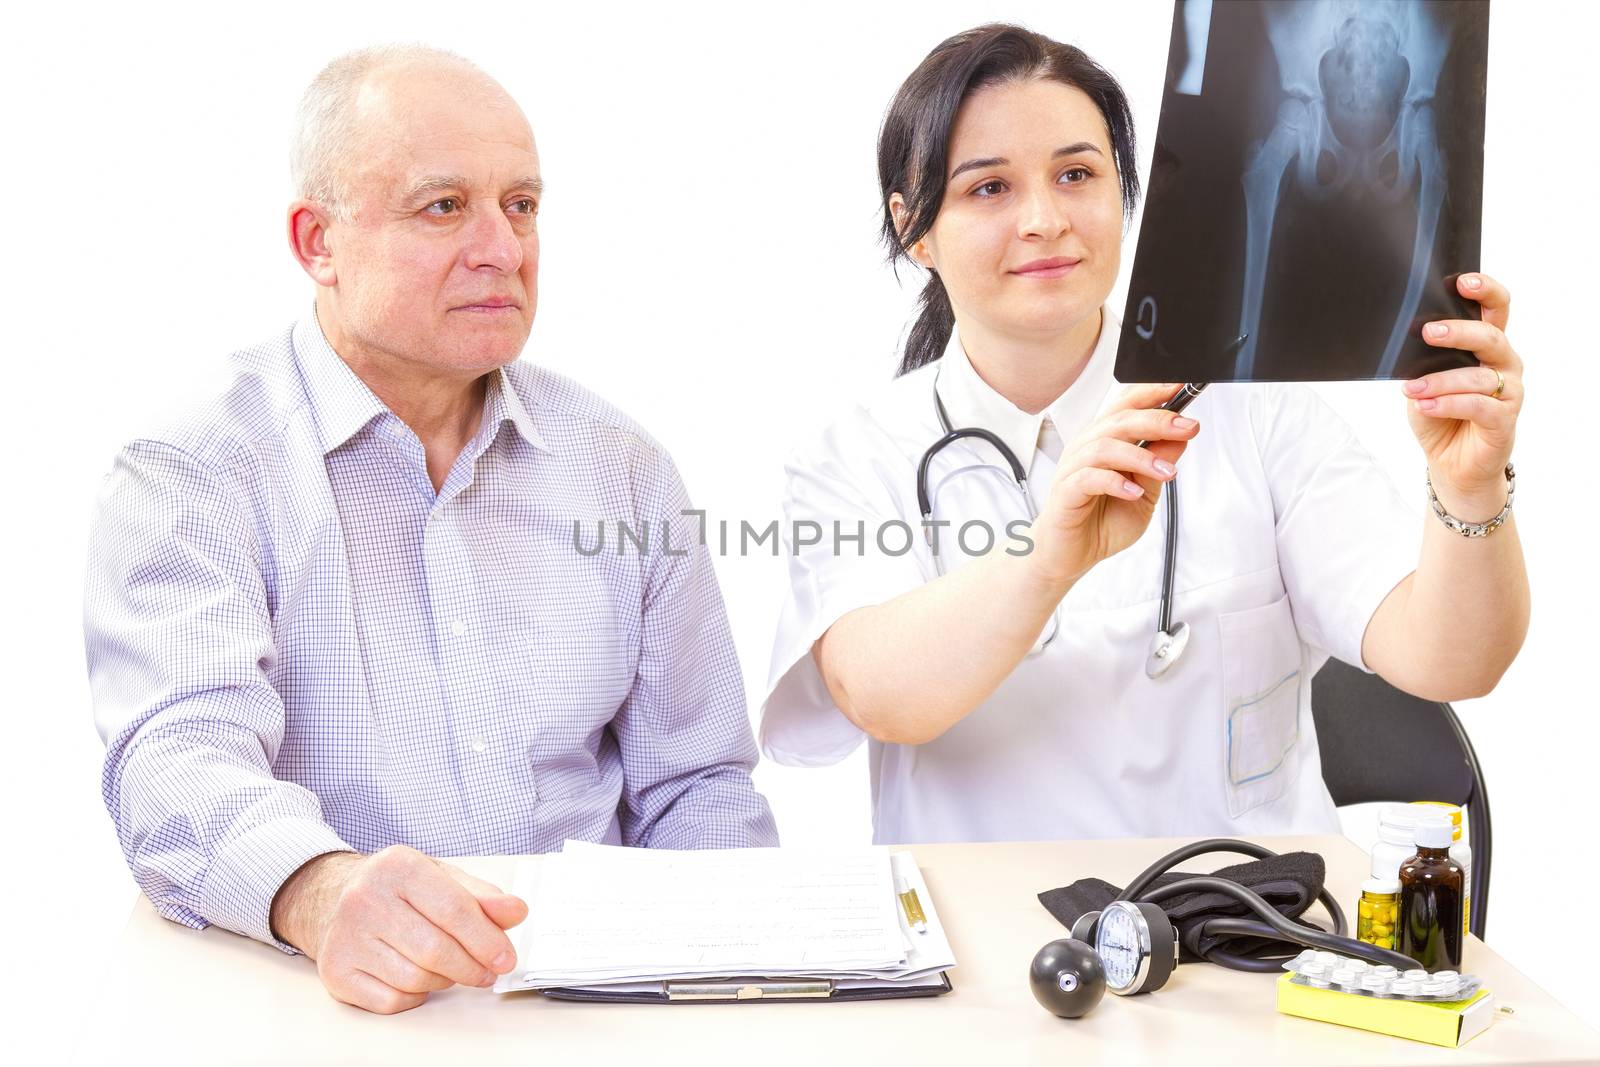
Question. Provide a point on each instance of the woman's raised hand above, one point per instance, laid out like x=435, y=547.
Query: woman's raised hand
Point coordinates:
x=1106, y=487
x=1466, y=418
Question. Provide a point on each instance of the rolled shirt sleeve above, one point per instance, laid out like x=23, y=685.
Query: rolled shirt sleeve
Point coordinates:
x=839, y=485
x=178, y=642
x=684, y=731
x=1345, y=536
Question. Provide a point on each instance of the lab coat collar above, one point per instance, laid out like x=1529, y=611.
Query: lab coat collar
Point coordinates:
x=971, y=401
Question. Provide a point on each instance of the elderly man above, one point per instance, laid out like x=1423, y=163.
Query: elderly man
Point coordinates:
x=337, y=622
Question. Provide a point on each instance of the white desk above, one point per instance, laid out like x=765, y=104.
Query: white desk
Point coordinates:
x=175, y=995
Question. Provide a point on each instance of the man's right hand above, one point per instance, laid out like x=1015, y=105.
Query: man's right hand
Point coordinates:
x=390, y=928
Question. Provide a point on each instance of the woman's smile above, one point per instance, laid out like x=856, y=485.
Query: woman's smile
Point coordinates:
x=1053, y=267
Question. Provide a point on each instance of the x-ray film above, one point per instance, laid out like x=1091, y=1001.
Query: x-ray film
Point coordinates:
x=1317, y=188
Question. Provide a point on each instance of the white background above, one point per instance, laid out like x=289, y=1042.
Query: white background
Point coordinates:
x=709, y=264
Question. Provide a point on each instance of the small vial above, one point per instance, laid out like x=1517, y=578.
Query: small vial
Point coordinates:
x=1417, y=974
x=1378, y=912
x=1402, y=987
x=1386, y=971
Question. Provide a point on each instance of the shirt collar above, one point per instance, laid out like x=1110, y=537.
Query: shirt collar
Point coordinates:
x=507, y=404
x=342, y=404
x=971, y=401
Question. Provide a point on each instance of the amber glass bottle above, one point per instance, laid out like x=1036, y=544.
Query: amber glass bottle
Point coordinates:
x=1432, y=892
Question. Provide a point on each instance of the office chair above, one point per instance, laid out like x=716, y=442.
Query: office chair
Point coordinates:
x=1380, y=744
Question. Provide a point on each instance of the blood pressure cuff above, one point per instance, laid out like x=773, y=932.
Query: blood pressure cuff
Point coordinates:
x=1289, y=882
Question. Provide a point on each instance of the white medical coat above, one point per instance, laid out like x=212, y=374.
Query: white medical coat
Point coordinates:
x=1290, y=537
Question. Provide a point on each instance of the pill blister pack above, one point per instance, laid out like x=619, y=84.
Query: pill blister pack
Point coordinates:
x=1329, y=970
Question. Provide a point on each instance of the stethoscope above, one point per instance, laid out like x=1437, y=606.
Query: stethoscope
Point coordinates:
x=1170, y=639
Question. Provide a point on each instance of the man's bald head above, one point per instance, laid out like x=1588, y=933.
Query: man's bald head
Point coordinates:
x=332, y=123
x=416, y=215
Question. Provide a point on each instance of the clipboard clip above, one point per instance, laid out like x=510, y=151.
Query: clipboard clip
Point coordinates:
x=799, y=990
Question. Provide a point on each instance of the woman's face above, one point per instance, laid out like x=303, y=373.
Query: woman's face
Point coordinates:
x=1028, y=238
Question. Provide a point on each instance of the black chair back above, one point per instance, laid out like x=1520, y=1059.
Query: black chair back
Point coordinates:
x=1380, y=744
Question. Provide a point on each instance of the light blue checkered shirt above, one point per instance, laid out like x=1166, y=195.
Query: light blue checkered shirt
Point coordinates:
x=296, y=646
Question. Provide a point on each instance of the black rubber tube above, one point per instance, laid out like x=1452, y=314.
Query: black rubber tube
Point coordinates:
x=1284, y=928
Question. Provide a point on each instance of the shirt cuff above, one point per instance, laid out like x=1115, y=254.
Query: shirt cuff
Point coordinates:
x=247, y=873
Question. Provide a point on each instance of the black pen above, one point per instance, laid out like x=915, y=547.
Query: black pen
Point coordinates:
x=1181, y=399
x=1185, y=396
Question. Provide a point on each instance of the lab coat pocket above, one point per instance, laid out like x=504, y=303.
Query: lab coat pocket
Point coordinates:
x=1261, y=679
x=579, y=681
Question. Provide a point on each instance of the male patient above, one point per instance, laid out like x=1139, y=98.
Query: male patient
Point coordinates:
x=337, y=622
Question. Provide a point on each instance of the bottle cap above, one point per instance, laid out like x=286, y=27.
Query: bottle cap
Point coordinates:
x=1399, y=815
x=1392, y=834
x=1433, y=832
x=1438, y=807
x=1429, y=808
x=1386, y=887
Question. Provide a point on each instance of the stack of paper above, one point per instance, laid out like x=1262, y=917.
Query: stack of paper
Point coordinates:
x=600, y=915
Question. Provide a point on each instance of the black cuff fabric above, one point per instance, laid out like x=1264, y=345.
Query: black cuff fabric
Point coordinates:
x=1289, y=882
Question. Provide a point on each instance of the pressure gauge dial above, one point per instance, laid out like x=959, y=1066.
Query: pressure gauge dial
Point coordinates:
x=1138, y=946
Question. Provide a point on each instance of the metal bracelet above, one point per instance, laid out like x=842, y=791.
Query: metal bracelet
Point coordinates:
x=1475, y=529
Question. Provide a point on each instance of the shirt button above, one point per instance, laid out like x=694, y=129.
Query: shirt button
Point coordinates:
x=458, y=627
x=477, y=744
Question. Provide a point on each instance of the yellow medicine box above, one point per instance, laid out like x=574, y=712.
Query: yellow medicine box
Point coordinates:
x=1447, y=1023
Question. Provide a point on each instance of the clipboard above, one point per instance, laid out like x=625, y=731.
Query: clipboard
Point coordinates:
x=750, y=990
x=584, y=890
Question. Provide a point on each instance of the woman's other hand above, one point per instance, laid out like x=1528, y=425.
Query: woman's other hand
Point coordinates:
x=1466, y=418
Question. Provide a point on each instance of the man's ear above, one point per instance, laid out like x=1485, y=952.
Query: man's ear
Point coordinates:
x=918, y=251
x=308, y=240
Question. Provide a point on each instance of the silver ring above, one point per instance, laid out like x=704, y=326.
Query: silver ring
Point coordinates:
x=1500, y=384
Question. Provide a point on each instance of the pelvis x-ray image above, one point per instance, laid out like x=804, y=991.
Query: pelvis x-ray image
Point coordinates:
x=1316, y=189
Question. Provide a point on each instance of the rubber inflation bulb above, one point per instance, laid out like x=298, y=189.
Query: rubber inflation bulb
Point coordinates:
x=1068, y=978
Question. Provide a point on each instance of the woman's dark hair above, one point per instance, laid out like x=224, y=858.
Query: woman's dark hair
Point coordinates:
x=913, y=145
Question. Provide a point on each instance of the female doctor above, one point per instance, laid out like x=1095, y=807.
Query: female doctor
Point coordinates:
x=1001, y=680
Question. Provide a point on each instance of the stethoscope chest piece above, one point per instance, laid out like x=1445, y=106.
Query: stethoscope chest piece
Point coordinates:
x=1166, y=649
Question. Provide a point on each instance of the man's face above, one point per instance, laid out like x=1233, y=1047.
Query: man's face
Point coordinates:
x=437, y=271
